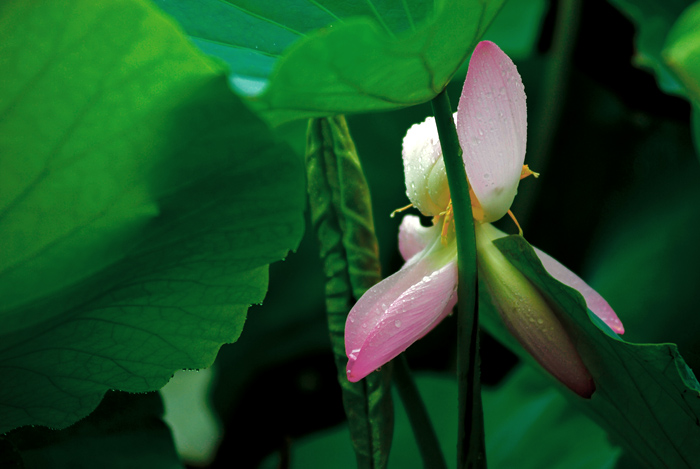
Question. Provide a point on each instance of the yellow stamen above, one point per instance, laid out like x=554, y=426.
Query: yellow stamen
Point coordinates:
x=520, y=230
x=449, y=216
x=477, y=209
x=526, y=171
x=400, y=210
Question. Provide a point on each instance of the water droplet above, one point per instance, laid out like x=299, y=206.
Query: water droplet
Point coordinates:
x=352, y=319
x=364, y=325
x=397, y=323
x=487, y=175
x=426, y=279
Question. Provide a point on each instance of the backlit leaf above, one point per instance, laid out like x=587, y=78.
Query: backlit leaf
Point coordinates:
x=140, y=204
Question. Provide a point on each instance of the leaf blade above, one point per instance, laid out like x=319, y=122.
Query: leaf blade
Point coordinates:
x=645, y=393
x=342, y=217
x=149, y=235
x=370, y=59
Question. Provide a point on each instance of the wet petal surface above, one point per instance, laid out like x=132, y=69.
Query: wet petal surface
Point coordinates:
x=492, y=128
x=400, y=310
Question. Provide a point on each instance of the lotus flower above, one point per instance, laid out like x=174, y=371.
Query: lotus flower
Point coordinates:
x=491, y=122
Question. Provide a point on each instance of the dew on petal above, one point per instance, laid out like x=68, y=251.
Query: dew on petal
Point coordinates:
x=397, y=323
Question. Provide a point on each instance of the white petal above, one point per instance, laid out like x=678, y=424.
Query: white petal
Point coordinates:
x=426, y=179
x=414, y=237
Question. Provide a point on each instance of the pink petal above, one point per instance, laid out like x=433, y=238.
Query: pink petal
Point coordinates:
x=426, y=179
x=594, y=301
x=414, y=237
x=398, y=311
x=492, y=128
x=528, y=316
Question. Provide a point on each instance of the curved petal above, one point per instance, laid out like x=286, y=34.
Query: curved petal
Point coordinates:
x=398, y=311
x=414, y=237
x=426, y=179
x=594, y=301
x=528, y=316
x=492, y=128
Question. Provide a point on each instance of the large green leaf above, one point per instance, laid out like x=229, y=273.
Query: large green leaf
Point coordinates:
x=328, y=57
x=141, y=203
x=125, y=430
x=653, y=20
x=646, y=266
x=646, y=396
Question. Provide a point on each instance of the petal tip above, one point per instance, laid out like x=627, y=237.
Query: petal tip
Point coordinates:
x=352, y=376
x=586, y=389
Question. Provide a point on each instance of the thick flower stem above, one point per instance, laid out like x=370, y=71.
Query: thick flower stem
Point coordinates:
x=423, y=430
x=471, y=451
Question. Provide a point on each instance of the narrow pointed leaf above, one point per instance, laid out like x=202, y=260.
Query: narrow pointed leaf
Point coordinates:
x=342, y=217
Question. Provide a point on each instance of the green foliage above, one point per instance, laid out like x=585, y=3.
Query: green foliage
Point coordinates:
x=646, y=396
x=682, y=50
x=141, y=204
x=126, y=430
x=669, y=43
x=653, y=20
x=341, y=214
x=339, y=57
x=528, y=424
x=516, y=29
x=658, y=304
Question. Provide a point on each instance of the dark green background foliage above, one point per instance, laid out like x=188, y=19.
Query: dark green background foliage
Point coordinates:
x=142, y=197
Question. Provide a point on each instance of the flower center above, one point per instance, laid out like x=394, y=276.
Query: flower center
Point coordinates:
x=447, y=215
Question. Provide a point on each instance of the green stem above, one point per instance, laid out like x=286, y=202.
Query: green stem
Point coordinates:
x=471, y=451
x=418, y=416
